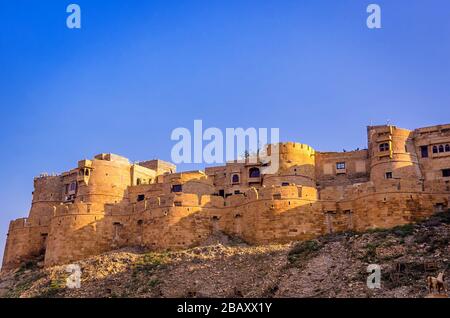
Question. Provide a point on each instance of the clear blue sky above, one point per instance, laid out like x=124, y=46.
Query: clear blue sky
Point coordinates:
x=138, y=69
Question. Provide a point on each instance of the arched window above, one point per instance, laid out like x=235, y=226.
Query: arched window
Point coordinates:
x=441, y=148
x=235, y=178
x=384, y=146
x=435, y=149
x=447, y=148
x=254, y=173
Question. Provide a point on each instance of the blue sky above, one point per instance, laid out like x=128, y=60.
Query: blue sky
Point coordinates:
x=138, y=69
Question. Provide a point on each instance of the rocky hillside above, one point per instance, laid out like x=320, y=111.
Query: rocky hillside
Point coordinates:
x=331, y=266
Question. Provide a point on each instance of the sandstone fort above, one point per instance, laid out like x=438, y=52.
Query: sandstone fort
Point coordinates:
x=107, y=203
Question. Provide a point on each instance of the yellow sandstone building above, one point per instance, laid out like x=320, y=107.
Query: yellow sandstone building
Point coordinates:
x=108, y=203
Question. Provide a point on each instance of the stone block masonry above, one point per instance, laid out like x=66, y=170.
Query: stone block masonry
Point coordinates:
x=108, y=203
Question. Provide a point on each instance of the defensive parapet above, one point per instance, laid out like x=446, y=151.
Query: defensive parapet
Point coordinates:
x=23, y=242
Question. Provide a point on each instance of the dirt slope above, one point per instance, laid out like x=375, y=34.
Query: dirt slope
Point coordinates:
x=331, y=266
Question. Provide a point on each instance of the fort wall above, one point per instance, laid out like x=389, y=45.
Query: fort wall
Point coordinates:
x=107, y=202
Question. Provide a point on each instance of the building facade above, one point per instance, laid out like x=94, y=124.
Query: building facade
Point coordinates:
x=108, y=203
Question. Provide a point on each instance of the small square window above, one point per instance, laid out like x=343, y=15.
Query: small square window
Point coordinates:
x=446, y=173
x=177, y=188
x=388, y=175
x=384, y=147
x=340, y=165
x=141, y=197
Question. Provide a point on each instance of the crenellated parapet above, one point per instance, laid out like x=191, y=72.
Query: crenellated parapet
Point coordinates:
x=18, y=224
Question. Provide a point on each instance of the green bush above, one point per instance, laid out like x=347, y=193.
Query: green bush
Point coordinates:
x=403, y=230
x=371, y=253
x=151, y=261
x=154, y=282
x=303, y=250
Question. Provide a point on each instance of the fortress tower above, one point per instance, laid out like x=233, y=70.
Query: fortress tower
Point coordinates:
x=393, y=154
x=74, y=226
x=296, y=165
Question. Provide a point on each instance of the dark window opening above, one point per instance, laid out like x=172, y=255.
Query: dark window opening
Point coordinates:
x=141, y=197
x=277, y=196
x=138, y=181
x=235, y=178
x=140, y=222
x=177, y=188
x=388, y=175
x=441, y=148
x=447, y=148
x=177, y=203
x=285, y=184
x=222, y=193
x=237, y=192
x=424, y=151
x=435, y=149
x=439, y=207
x=73, y=186
x=254, y=173
x=446, y=173
x=384, y=146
